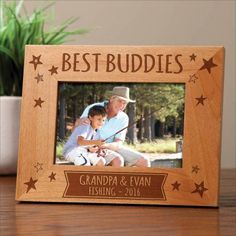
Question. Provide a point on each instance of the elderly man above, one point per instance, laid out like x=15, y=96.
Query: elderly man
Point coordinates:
x=117, y=120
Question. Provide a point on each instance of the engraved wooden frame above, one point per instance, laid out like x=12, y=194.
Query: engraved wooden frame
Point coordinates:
x=196, y=183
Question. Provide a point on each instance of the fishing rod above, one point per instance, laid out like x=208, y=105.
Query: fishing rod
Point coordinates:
x=142, y=119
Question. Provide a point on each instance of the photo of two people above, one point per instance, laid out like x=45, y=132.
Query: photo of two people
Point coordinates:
x=120, y=124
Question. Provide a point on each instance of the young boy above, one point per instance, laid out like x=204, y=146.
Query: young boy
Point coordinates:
x=82, y=149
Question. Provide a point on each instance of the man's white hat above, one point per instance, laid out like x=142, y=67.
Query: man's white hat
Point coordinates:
x=121, y=92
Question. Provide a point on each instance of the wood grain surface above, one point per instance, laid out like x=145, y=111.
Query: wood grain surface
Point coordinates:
x=98, y=219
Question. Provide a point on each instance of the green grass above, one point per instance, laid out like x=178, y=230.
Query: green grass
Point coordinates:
x=157, y=146
x=59, y=150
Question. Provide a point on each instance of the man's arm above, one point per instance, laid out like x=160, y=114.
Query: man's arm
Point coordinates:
x=83, y=120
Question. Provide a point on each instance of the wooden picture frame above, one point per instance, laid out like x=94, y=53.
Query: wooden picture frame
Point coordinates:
x=195, y=184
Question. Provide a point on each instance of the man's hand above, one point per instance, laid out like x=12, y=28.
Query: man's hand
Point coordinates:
x=82, y=121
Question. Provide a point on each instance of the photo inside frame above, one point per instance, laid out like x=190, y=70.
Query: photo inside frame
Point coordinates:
x=153, y=126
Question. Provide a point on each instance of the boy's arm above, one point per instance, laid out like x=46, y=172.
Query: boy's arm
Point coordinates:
x=84, y=142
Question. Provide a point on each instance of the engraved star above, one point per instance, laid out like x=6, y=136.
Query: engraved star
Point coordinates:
x=192, y=57
x=36, y=61
x=200, y=188
x=53, y=70
x=200, y=100
x=208, y=65
x=176, y=185
x=39, y=78
x=38, y=166
x=30, y=184
x=195, y=169
x=52, y=176
x=192, y=78
x=38, y=102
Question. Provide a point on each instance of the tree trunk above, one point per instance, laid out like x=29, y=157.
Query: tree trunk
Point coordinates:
x=162, y=129
x=94, y=94
x=147, y=124
x=77, y=115
x=141, y=126
x=153, y=121
x=74, y=102
x=82, y=100
x=181, y=126
x=132, y=131
x=174, y=127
